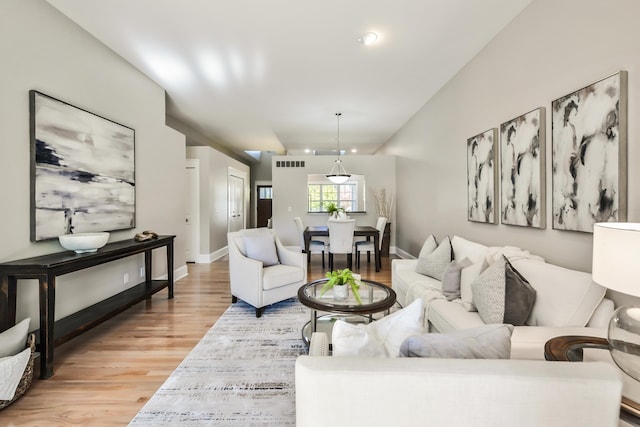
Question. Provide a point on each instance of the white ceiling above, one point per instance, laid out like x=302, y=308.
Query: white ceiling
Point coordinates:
x=270, y=75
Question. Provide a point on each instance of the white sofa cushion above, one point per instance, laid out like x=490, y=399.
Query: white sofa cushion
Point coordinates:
x=527, y=342
x=483, y=342
x=281, y=275
x=447, y=316
x=463, y=248
x=381, y=338
x=564, y=297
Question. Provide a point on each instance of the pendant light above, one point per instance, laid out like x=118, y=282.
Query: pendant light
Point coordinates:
x=338, y=175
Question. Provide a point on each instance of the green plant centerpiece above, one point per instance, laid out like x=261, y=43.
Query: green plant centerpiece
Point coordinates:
x=333, y=209
x=342, y=278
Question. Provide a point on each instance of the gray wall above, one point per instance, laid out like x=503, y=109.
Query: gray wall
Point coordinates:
x=551, y=49
x=290, y=191
x=41, y=49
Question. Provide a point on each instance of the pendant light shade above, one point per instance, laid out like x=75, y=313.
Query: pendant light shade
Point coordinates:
x=338, y=175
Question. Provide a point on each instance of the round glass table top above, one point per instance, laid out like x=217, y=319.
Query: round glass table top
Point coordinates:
x=375, y=297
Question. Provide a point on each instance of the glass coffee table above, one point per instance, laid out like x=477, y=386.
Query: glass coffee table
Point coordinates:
x=376, y=298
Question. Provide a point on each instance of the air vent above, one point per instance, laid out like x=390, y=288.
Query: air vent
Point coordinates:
x=289, y=163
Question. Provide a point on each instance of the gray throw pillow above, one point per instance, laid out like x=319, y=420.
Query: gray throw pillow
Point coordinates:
x=483, y=342
x=519, y=296
x=488, y=292
x=261, y=246
x=429, y=246
x=434, y=264
x=451, y=278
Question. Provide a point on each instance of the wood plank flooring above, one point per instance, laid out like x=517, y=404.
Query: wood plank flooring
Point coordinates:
x=105, y=376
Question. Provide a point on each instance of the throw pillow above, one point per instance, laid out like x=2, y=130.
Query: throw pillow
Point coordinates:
x=261, y=246
x=434, y=264
x=484, y=342
x=427, y=248
x=467, y=276
x=488, y=293
x=519, y=296
x=451, y=278
x=14, y=339
x=381, y=338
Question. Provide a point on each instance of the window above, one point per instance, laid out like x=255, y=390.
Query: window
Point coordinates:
x=265, y=193
x=343, y=195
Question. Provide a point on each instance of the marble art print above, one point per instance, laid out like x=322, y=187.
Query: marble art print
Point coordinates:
x=522, y=170
x=589, y=132
x=82, y=171
x=482, y=179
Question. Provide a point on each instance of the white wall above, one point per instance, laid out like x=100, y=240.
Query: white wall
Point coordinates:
x=551, y=49
x=290, y=191
x=214, y=170
x=41, y=49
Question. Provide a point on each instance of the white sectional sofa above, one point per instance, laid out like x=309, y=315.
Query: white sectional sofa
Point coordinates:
x=567, y=302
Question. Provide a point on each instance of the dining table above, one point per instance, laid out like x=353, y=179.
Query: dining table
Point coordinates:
x=360, y=231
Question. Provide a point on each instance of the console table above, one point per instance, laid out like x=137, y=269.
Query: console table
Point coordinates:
x=47, y=267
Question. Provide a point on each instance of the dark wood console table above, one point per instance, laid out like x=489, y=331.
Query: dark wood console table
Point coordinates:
x=47, y=267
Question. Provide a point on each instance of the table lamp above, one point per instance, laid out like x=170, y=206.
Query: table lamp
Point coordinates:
x=616, y=265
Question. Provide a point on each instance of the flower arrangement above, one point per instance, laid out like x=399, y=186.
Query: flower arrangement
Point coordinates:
x=342, y=278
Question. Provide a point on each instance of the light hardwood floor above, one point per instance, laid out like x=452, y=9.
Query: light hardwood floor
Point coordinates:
x=105, y=376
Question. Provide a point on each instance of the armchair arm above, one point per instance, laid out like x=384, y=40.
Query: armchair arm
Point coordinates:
x=290, y=257
x=245, y=277
x=319, y=345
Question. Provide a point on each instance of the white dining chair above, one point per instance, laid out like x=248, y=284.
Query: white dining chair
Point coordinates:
x=315, y=246
x=368, y=245
x=341, y=239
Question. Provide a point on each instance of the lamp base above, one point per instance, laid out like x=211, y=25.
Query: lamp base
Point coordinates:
x=624, y=340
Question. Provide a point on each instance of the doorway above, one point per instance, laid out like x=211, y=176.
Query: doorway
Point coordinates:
x=264, y=205
x=236, y=194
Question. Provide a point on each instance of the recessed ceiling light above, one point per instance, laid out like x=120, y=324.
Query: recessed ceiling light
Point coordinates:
x=306, y=150
x=368, y=39
x=354, y=150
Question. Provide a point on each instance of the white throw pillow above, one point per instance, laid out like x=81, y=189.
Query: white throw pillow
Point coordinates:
x=381, y=338
x=261, y=246
x=14, y=339
x=434, y=264
x=463, y=248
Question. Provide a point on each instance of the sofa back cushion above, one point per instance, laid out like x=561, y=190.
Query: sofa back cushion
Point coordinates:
x=463, y=248
x=564, y=297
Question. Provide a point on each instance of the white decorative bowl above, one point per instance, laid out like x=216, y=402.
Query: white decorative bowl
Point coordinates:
x=84, y=242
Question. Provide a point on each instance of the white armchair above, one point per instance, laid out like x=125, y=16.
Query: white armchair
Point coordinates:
x=257, y=283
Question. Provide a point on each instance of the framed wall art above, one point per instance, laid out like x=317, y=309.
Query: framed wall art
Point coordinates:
x=82, y=170
x=482, y=180
x=522, y=170
x=589, y=132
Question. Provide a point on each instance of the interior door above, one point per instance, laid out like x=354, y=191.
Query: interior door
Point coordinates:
x=264, y=206
x=236, y=203
x=192, y=226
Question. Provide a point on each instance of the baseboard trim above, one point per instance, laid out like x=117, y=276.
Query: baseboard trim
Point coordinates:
x=178, y=273
x=213, y=256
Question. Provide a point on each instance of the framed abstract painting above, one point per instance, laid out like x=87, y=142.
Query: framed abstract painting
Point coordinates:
x=522, y=170
x=589, y=149
x=82, y=170
x=482, y=179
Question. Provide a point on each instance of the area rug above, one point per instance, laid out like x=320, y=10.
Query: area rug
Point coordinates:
x=240, y=374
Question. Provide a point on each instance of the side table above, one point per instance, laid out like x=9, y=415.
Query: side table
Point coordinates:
x=569, y=348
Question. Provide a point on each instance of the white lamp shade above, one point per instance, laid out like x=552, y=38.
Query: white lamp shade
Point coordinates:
x=616, y=256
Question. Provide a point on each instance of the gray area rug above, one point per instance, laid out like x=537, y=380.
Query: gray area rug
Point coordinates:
x=240, y=374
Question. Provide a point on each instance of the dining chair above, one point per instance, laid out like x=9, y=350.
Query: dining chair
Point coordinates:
x=315, y=246
x=368, y=245
x=341, y=239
